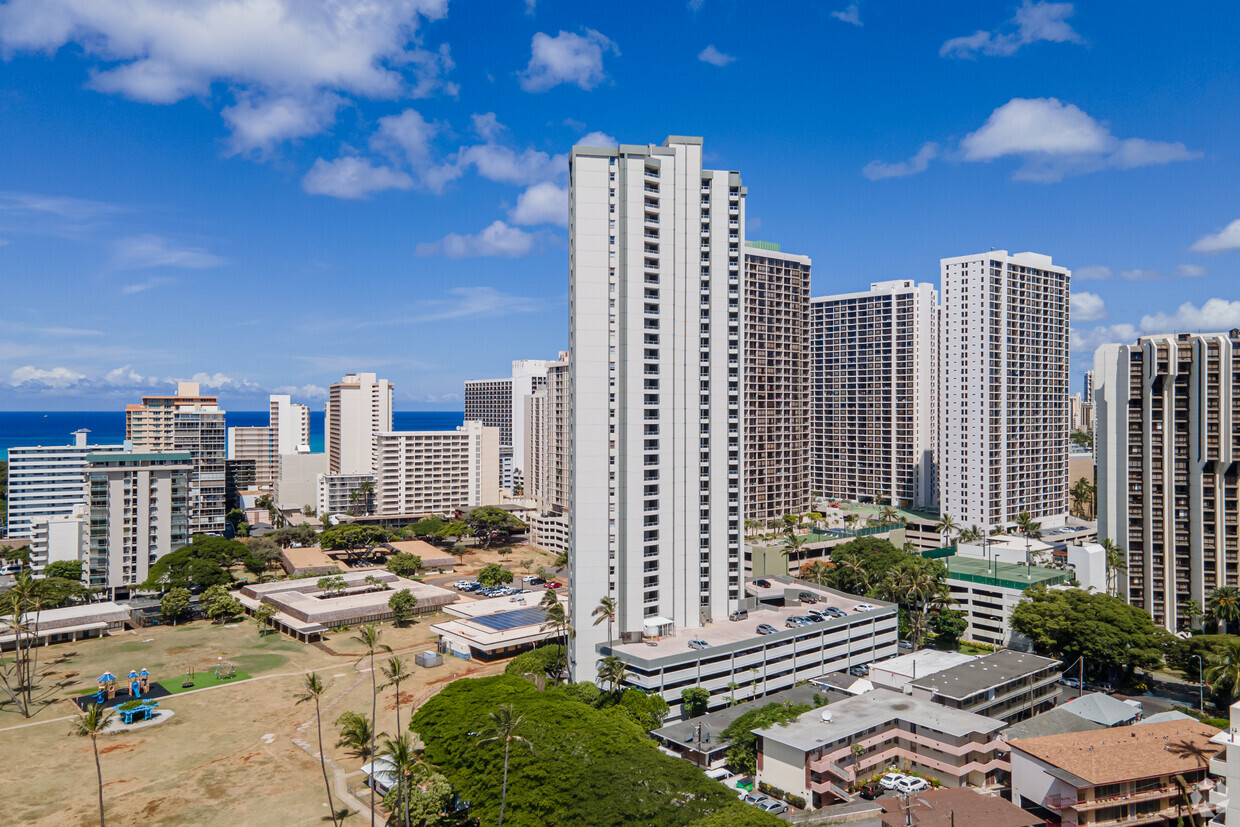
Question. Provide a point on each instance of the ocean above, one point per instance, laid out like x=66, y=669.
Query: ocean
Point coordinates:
x=22, y=428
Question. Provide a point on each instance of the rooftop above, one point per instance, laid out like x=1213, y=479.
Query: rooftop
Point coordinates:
x=1101, y=709
x=1057, y=721
x=1008, y=575
x=303, y=600
x=922, y=664
x=1109, y=756
x=714, y=723
x=949, y=806
x=984, y=673
x=879, y=708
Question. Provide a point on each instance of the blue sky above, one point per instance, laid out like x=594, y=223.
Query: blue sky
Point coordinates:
x=264, y=194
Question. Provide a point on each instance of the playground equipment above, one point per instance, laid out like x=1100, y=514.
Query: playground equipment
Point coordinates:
x=189, y=678
x=137, y=710
x=107, y=687
x=225, y=671
x=138, y=681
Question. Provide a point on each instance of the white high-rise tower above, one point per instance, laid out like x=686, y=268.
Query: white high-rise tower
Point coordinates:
x=1004, y=398
x=655, y=291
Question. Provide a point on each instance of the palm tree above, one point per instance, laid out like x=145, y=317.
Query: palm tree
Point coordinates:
x=405, y=765
x=970, y=535
x=1225, y=667
x=265, y=501
x=1082, y=496
x=946, y=527
x=365, y=494
x=889, y=516
x=605, y=610
x=1032, y=530
x=860, y=574
x=356, y=734
x=312, y=687
x=1116, y=563
x=505, y=723
x=850, y=520
x=395, y=671
x=557, y=620
x=751, y=526
x=368, y=636
x=819, y=572
x=612, y=671
x=91, y=724
x=1224, y=606
x=1192, y=610
x=793, y=546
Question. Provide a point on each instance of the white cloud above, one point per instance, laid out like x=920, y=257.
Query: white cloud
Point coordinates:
x=69, y=332
x=407, y=139
x=1214, y=316
x=877, y=170
x=259, y=124
x=58, y=378
x=597, y=139
x=1055, y=139
x=497, y=239
x=284, y=61
x=531, y=6
x=544, y=203
x=152, y=282
x=1096, y=272
x=505, y=165
x=714, y=57
x=351, y=177
x=476, y=302
x=566, y=58
x=141, y=251
x=125, y=376
x=1087, y=307
x=1227, y=238
x=1190, y=271
x=852, y=14
x=303, y=391
x=1033, y=22
x=1103, y=273
x=73, y=209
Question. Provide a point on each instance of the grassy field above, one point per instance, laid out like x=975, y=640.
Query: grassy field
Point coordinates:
x=229, y=755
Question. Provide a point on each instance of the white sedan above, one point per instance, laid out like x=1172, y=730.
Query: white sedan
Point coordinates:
x=891, y=779
x=911, y=784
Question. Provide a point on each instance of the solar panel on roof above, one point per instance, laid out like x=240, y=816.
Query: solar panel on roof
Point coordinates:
x=503, y=621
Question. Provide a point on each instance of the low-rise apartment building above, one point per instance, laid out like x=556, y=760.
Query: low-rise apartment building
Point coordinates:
x=339, y=494
x=436, y=472
x=733, y=652
x=815, y=756
x=1147, y=774
x=988, y=590
x=1008, y=685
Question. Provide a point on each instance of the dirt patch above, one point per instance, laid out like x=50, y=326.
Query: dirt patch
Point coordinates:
x=151, y=808
x=245, y=759
x=117, y=748
x=180, y=650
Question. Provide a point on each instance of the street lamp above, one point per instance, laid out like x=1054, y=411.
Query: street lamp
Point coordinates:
x=1201, y=705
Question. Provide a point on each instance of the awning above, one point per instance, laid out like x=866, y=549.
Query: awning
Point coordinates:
x=657, y=620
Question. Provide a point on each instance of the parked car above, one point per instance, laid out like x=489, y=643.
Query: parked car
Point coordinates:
x=555, y=584
x=535, y=581
x=698, y=643
x=806, y=597
x=766, y=629
x=834, y=612
x=891, y=779
x=859, y=671
x=905, y=644
x=755, y=797
x=864, y=607
x=739, y=614
x=911, y=784
x=871, y=791
x=1071, y=683
x=762, y=584
x=773, y=806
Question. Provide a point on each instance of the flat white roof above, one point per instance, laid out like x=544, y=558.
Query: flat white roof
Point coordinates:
x=920, y=664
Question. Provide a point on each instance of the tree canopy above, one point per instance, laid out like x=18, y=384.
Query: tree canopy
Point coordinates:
x=1106, y=631
x=493, y=574
x=64, y=569
x=489, y=524
x=861, y=564
x=584, y=765
x=743, y=749
x=201, y=564
x=404, y=565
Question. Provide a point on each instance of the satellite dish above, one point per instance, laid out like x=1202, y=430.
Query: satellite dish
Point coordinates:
x=826, y=716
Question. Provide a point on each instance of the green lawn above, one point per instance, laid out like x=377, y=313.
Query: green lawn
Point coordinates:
x=202, y=680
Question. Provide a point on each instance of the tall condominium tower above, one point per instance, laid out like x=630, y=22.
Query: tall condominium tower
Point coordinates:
x=777, y=370
x=1004, y=389
x=287, y=432
x=546, y=439
x=291, y=424
x=47, y=481
x=655, y=287
x=358, y=407
x=1168, y=453
x=436, y=472
x=501, y=403
x=875, y=392
x=192, y=423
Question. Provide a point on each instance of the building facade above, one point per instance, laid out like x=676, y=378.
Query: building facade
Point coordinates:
x=257, y=445
x=1008, y=685
x=342, y=494
x=358, y=407
x=777, y=382
x=655, y=288
x=47, y=481
x=1004, y=389
x=291, y=423
x=546, y=464
x=139, y=511
x=1167, y=448
x=436, y=472
x=192, y=423
x=489, y=401
x=875, y=391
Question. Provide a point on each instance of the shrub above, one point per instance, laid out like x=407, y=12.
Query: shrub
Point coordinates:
x=794, y=800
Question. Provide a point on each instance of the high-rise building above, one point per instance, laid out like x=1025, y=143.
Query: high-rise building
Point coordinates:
x=777, y=382
x=655, y=303
x=501, y=404
x=139, y=511
x=546, y=439
x=358, y=407
x=436, y=472
x=48, y=481
x=1167, y=448
x=287, y=432
x=290, y=422
x=192, y=423
x=1003, y=398
x=875, y=391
